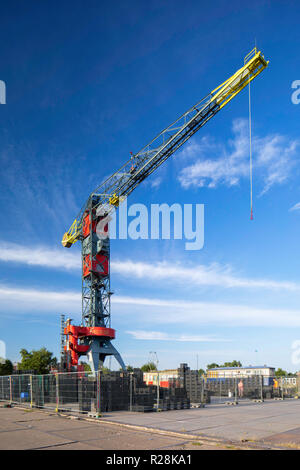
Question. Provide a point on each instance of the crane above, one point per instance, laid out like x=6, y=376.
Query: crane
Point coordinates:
x=93, y=337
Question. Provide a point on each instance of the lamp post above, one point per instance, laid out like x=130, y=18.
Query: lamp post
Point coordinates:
x=156, y=360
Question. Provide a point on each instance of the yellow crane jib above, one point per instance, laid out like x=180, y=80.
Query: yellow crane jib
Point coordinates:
x=120, y=184
x=72, y=235
x=114, y=200
x=254, y=64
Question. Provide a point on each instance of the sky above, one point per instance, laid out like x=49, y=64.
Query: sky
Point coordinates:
x=89, y=82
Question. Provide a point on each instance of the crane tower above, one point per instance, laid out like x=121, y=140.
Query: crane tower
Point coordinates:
x=93, y=338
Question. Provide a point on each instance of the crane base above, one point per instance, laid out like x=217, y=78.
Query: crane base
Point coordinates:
x=99, y=350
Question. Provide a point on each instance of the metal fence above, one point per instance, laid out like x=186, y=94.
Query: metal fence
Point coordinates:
x=84, y=392
x=224, y=389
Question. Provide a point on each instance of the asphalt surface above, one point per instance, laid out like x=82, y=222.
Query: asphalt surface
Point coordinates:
x=272, y=424
x=40, y=430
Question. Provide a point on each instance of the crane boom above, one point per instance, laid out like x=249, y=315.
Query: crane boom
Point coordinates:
x=148, y=159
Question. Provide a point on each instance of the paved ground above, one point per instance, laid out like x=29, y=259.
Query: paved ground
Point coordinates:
x=273, y=422
x=259, y=425
x=31, y=429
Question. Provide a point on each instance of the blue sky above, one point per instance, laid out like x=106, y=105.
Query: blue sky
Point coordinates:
x=88, y=82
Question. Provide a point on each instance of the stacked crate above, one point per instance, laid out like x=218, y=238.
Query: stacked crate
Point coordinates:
x=143, y=398
x=114, y=391
x=86, y=393
x=191, y=381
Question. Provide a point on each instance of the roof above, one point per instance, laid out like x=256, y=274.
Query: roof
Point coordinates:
x=249, y=367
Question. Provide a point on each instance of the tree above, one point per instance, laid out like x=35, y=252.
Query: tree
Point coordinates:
x=128, y=368
x=280, y=373
x=212, y=366
x=41, y=360
x=201, y=372
x=6, y=367
x=86, y=366
x=232, y=364
x=148, y=367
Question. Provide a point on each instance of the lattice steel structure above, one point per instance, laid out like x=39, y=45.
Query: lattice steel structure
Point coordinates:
x=95, y=250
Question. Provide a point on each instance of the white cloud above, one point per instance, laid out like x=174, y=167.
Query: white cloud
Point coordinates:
x=198, y=275
x=194, y=314
x=161, y=336
x=40, y=256
x=214, y=274
x=156, y=182
x=149, y=310
x=21, y=300
x=273, y=159
x=296, y=207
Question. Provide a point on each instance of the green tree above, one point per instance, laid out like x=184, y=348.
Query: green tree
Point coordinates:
x=213, y=365
x=232, y=364
x=41, y=360
x=201, y=372
x=6, y=367
x=148, y=367
x=280, y=372
x=86, y=366
x=128, y=368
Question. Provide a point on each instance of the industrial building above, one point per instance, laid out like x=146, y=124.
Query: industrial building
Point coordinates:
x=243, y=372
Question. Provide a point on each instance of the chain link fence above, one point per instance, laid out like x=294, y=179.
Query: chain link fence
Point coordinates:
x=255, y=387
x=83, y=392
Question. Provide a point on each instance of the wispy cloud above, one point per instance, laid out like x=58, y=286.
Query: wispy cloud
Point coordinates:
x=214, y=274
x=161, y=336
x=21, y=300
x=166, y=312
x=296, y=207
x=214, y=164
x=149, y=310
x=42, y=184
x=39, y=256
x=198, y=275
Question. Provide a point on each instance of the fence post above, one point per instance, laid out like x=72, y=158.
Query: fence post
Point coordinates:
x=157, y=406
x=235, y=390
x=202, y=391
x=31, y=392
x=43, y=392
x=10, y=389
x=57, y=391
x=130, y=389
x=98, y=373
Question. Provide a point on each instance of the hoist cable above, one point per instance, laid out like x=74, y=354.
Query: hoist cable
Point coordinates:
x=250, y=146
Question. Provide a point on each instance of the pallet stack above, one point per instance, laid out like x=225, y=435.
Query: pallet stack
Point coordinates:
x=191, y=381
x=114, y=391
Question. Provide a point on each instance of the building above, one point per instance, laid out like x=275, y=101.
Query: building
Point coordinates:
x=229, y=372
x=164, y=376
